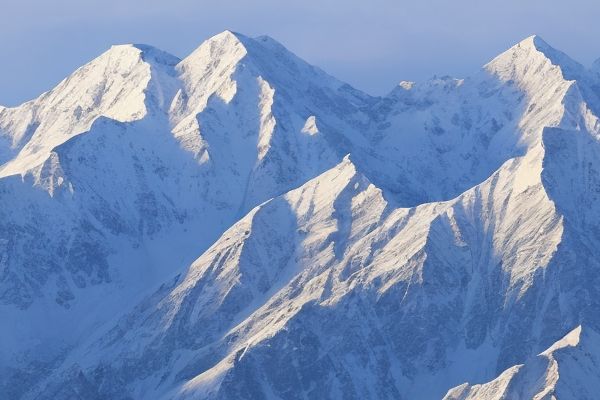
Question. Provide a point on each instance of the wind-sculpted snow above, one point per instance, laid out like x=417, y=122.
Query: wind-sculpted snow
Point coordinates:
x=345, y=246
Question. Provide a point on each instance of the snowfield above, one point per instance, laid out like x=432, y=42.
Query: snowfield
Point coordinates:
x=240, y=225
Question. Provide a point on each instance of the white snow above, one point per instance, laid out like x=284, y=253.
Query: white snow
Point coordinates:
x=345, y=246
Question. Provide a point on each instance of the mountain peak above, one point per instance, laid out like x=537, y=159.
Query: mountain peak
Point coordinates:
x=534, y=43
x=465, y=207
x=227, y=60
x=533, y=40
x=128, y=54
x=236, y=45
x=225, y=48
x=227, y=33
x=120, y=84
x=576, y=354
x=227, y=36
x=223, y=40
x=534, y=50
x=123, y=54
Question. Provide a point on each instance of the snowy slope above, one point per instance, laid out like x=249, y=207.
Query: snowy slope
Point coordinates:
x=112, y=201
x=566, y=370
x=332, y=270
x=115, y=85
x=457, y=239
x=447, y=135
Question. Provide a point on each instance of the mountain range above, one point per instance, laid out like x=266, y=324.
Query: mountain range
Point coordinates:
x=238, y=224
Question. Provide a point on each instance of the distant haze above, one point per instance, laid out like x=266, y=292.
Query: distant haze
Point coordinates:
x=370, y=44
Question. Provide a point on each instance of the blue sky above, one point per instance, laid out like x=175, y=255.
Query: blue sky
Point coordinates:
x=370, y=44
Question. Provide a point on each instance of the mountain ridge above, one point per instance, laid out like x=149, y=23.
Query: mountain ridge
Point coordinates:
x=543, y=376
x=250, y=227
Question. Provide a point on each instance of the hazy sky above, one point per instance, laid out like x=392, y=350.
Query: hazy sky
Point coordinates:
x=370, y=44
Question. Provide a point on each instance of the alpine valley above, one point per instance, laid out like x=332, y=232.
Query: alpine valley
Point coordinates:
x=240, y=225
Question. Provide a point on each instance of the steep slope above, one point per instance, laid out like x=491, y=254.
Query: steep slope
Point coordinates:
x=432, y=141
x=99, y=203
x=243, y=109
x=567, y=370
x=235, y=277
x=458, y=239
x=115, y=85
x=107, y=129
x=398, y=302
x=111, y=199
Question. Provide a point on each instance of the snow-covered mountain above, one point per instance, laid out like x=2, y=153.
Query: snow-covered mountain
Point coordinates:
x=239, y=224
x=566, y=370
